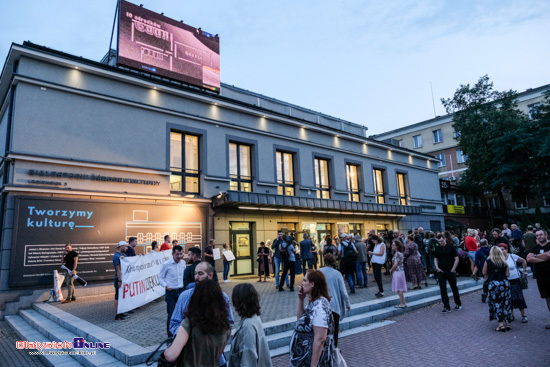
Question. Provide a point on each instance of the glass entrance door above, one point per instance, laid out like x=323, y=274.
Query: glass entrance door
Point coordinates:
x=241, y=245
x=323, y=229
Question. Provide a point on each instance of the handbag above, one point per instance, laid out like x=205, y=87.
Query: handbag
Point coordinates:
x=523, y=280
x=339, y=361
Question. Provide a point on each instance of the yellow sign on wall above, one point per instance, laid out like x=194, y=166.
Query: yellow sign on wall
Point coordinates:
x=455, y=209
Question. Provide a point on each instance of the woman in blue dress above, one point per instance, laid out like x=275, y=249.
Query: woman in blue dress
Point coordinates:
x=500, y=301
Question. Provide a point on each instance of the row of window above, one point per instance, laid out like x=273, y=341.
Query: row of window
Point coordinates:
x=460, y=158
x=437, y=138
x=184, y=167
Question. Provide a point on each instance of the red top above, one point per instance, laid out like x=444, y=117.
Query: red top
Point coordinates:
x=471, y=244
x=165, y=246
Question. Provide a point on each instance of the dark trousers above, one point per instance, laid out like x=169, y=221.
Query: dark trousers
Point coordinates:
x=377, y=270
x=308, y=262
x=288, y=266
x=336, y=318
x=443, y=278
x=171, y=298
x=226, y=268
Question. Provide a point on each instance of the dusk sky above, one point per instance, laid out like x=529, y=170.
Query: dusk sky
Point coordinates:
x=368, y=62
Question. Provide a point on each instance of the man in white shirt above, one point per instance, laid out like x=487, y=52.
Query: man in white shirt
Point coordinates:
x=171, y=278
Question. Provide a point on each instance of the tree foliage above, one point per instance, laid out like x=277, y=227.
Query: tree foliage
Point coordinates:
x=506, y=149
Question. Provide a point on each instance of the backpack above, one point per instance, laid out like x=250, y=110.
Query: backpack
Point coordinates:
x=285, y=256
x=350, y=256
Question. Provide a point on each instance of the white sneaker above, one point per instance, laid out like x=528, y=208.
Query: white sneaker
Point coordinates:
x=226, y=281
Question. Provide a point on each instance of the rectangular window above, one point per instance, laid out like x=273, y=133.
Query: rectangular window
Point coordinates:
x=239, y=167
x=451, y=199
x=438, y=136
x=417, y=141
x=402, y=189
x=285, y=173
x=184, y=163
x=353, y=182
x=460, y=200
x=545, y=201
x=379, y=186
x=493, y=202
x=521, y=204
x=460, y=156
x=441, y=157
x=321, y=178
x=532, y=109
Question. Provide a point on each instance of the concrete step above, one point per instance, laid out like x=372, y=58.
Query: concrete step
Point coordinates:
x=57, y=332
x=28, y=333
x=121, y=349
x=380, y=311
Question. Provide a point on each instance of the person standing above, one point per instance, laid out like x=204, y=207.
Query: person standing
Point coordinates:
x=204, y=332
x=540, y=257
x=209, y=257
x=171, y=278
x=446, y=261
x=249, y=345
x=70, y=260
x=166, y=245
x=315, y=252
x=362, y=258
x=312, y=342
x=329, y=247
x=277, y=258
x=288, y=256
x=263, y=261
x=518, y=301
x=481, y=256
x=398, y=282
x=153, y=247
x=120, y=250
x=506, y=231
x=516, y=240
x=378, y=258
x=339, y=299
x=471, y=246
x=500, y=304
x=306, y=253
x=132, y=242
x=226, y=264
x=193, y=258
x=415, y=271
x=348, y=264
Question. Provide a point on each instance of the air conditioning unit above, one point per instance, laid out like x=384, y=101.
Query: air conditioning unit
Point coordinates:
x=452, y=178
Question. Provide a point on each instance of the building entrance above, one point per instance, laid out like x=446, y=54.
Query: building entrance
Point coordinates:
x=242, y=240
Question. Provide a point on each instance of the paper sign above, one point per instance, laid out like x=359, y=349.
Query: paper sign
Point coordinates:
x=229, y=255
x=216, y=253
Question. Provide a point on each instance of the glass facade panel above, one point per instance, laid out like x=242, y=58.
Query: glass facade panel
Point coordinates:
x=379, y=186
x=184, y=163
x=240, y=172
x=321, y=178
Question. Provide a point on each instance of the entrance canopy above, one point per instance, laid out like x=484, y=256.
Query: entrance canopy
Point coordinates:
x=253, y=200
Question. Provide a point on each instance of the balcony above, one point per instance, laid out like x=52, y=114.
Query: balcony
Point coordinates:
x=234, y=199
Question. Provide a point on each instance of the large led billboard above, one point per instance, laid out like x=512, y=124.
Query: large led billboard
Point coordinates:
x=151, y=42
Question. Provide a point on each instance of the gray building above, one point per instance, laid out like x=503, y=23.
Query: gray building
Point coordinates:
x=94, y=154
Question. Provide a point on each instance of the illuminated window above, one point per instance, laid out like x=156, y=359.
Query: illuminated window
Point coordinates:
x=460, y=156
x=353, y=182
x=441, y=157
x=321, y=178
x=438, y=136
x=285, y=173
x=402, y=189
x=184, y=163
x=239, y=167
x=379, y=186
x=417, y=141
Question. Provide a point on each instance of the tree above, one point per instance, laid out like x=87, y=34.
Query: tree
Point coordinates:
x=524, y=220
x=503, y=146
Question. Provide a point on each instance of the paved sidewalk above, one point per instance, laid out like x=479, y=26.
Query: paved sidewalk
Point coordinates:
x=9, y=355
x=147, y=326
x=427, y=337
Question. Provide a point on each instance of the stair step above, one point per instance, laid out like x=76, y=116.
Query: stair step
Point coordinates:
x=122, y=349
x=57, y=332
x=26, y=332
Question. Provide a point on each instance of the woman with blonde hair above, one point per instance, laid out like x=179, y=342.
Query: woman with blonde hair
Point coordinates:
x=500, y=301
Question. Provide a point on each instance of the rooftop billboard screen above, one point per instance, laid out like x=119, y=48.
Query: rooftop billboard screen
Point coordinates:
x=159, y=45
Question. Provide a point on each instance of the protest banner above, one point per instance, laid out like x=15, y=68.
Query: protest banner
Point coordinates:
x=229, y=255
x=140, y=280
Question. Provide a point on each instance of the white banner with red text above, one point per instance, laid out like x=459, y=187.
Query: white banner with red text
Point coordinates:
x=140, y=280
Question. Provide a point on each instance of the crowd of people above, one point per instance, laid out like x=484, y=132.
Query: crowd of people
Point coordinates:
x=200, y=316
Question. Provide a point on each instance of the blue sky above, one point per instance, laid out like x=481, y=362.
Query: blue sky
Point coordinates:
x=369, y=62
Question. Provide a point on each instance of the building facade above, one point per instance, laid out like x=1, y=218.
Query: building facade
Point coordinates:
x=94, y=154
x=437, y=137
